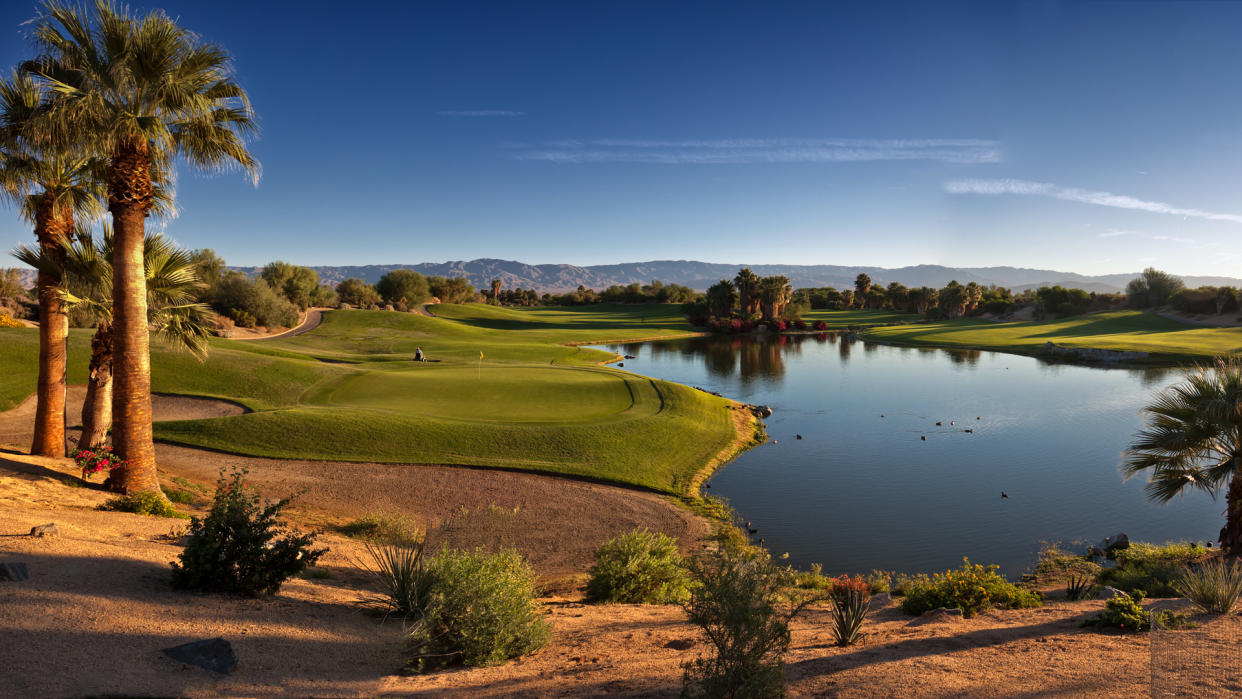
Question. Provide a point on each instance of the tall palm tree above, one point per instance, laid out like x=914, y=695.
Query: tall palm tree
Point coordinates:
x=144, y=91
x=1193, y=440
x=747, y=283
x=720, y=298
x=862, y=286
x=53, y=184
x=774, y=295
x=172, y=284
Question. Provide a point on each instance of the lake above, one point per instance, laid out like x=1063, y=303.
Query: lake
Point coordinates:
x=861, y=490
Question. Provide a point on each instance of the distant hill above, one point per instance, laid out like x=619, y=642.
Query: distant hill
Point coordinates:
x=699, y=275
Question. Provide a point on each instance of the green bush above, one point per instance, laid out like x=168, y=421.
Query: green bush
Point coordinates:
x=1058, y=565
x=240, y=546
x=972, y=588
x=480, y=609
x=1213, y=586
x=183, y=497
x=1152, y=568
x=739, y=602
x=639, y=567
x=147, y=502
x=1126, y=612
x=385, y=528
x=403, y=579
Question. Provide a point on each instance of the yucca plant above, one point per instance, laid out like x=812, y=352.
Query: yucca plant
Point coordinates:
x=1213, y=586
x=851, y=600
x=1079, y=587
x=401, y=576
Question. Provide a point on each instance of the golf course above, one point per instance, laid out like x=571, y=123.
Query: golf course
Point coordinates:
x=1131, y=331
x=502, y=388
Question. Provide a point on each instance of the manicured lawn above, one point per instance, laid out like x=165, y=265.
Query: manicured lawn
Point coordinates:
x=845, y=319
x=1121, y=330
x=348, y=391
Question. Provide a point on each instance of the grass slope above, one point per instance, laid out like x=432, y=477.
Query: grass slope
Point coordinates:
x=348, y=391
x=1121, y=330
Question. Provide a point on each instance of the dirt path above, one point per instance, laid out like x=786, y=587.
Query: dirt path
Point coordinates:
x=314, y=316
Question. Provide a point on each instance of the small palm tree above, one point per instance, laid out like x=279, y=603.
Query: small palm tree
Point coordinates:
x=143, y=91
x=172, y=285
x=53, y=184
x=1193, y=440
x=747, y=283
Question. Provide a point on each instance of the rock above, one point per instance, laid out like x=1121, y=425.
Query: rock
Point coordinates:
x=764, y=411
x=1116, y=542
x=1089, y=354
x=621, y=364
x=49, y=529
x=680, y=644
x=630, y=356
x=215, y=654
x=881, y=599
x=1108, y=592
x=13, y=572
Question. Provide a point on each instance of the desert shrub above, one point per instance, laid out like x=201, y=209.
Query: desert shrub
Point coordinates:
x=851, y=599
x=182, y=497
x=814, y=579
x=972, y=588
x=480, y=609
x=1213, y=586
x=1056, y=564
x=384, y=528
x=1126, y=612
x=1151, y=568
x=639, y=567
x=242, y=318
x=401, y=576
x=146, y=502
x=740, y=605
x=240, y=546
x=1079, y=587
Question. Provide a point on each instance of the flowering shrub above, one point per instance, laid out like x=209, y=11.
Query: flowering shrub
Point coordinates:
x=92, y=461
x=779, y=325
x=799, y=324
x=972, y=588
x=821, y=325
x=7, y=322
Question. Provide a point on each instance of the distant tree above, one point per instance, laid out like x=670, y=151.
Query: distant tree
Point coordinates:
x=209, y=266
x=1153, y=288
x=496, y=290
x=862, y=285
x=1062, y=301
x=1226, y=297
x=297, y=284
x=721, y=298
x=400, y=286
x=451, y=289
x=747, y=283
x=1193, y=440
x=253, y=302
x=847, y=298
x=897, y=296
x=922, y=298
x=11, y=288
x=357, y=293
x=972, y=294
x=953, y=299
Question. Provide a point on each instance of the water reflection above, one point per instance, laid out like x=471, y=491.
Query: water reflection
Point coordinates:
x=861, y=491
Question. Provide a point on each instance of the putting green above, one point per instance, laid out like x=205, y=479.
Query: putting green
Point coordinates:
x=495, y=393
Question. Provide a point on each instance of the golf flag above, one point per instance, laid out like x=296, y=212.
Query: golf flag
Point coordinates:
x=480, y=364
x=480, y=355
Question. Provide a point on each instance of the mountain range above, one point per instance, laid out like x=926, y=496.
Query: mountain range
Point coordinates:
x=556, y=278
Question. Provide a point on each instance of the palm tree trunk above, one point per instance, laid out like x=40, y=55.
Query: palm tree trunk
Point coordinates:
x=97, y=408
x=1231, y=533
x=129, y=199
x=49, y=427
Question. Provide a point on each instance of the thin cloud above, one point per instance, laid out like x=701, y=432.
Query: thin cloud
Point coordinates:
x=482, y=113
x=760, y=150
x=1044, y=189
x=1115, y=234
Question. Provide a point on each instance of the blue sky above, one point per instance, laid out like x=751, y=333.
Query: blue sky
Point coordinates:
x=1092, y=137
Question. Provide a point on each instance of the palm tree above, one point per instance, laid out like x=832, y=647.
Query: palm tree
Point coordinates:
x=747, y=283
x=53, y=184
x=862, y=285
x=144, y=91
x=775, y=294
x=172, y=285
x=1193, y=439
x=496, y=291
x=720, y=298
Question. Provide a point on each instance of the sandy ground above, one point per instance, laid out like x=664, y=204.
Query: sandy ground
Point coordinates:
x=97, y=609
x=1232, y=319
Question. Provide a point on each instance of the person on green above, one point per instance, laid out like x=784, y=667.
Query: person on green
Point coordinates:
x=419, y=356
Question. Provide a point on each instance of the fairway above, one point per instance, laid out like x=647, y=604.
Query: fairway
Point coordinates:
x=1134, y=331
x=348, y=391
